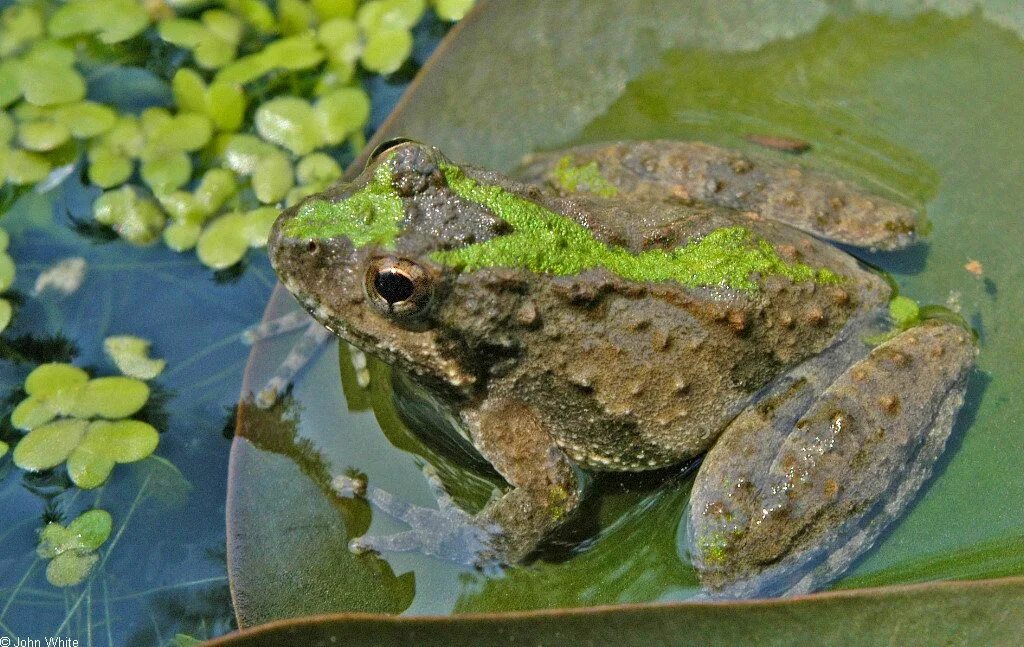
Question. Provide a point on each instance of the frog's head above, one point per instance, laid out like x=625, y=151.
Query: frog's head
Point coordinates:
x=358, y=257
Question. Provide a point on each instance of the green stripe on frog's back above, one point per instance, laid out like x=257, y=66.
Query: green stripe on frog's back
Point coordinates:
x=547, y=242
x=371, y=215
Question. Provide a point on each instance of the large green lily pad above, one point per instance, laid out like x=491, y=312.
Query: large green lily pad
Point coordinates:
x=917, y=104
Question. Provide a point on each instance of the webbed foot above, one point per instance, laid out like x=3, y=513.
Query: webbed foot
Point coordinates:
x=448, y=532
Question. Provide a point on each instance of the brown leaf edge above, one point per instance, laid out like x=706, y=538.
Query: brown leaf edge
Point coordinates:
x=982, y=612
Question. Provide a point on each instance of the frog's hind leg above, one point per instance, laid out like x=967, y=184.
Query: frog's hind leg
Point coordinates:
x=817, y=203
x=801, y=484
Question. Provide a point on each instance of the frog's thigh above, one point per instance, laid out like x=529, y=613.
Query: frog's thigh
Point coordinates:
x=790, y=519
x=815, y=202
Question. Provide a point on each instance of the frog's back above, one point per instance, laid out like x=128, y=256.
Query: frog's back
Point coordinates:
x=658, y=367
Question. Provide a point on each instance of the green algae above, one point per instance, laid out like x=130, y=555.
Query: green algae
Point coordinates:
x=587, y=177
x=371, y=215
x=548, y=242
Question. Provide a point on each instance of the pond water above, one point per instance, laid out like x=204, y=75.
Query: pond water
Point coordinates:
x=163, y=570
x=921, y=106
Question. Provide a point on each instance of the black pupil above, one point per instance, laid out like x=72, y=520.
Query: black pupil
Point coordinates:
x=393, y=286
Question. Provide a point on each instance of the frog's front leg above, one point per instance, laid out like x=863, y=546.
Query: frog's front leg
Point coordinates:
x=544, y=490
x=791, y=494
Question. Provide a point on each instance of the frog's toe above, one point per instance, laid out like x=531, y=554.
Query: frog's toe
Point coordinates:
x=447, y=533
x=792, y=494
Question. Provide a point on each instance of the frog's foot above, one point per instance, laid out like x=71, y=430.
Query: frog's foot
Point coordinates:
x=801, y=484
x=448, y=532
x=314, y=339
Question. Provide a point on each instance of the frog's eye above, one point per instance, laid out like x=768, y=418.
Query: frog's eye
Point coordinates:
x=398, y=287
x=386, y=146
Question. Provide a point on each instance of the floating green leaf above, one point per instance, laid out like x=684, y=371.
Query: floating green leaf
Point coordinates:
x=69, y=569
x=72, y=549
x=85, y=118
x=213, y=41
x=384, y=15
x=136, y=219
x=111, y=397
x=7, y=270
x=294, y=16
x=328, y=9
x=19, y=26
x=46, y=82
x=31, y=413
x=258, y=223
x=289, y=122
x=49, y=445
x=386, y=50
x=107, y=167
x=217, y=186
x=112, y=21
x=131, y=356
x=6, y=312
x=342, y=112
x=224, y=103
x=51, y=379
x=318, y=169
x=166, y=171
x=273, y=178
x=242, y=153
x=182, y=236
x=452, y=10
x=294, y=53
x=904, y=311
x=25, y=167
x=42, y=136
x=341, y=40
x=224, y=242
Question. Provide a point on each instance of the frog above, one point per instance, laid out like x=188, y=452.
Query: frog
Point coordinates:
x=632, y=306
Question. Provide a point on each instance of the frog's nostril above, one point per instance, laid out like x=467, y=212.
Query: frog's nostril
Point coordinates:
x=394, y=286
x=312, y=247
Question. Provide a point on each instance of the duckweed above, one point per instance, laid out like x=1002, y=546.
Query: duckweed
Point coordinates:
x=160, y=161
x=222, y=244
x=131, y=356
x=213, y=39
x=135, y=218
x=112, y=21
x=70, y=417
x=7, y=273
x=904, y=311
x=72, y=549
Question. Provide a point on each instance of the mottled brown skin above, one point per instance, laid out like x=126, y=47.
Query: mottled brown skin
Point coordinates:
x=695, y=172
x=548, y=374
